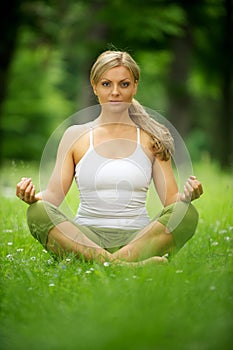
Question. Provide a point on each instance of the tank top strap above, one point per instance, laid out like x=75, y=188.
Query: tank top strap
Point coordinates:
x=138, y=136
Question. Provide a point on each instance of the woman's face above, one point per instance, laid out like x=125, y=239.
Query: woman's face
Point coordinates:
x=116, y=86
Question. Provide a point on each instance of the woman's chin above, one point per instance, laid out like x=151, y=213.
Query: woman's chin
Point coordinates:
x=115, y=106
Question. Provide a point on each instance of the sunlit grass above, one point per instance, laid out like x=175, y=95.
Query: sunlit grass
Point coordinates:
x=184, y=305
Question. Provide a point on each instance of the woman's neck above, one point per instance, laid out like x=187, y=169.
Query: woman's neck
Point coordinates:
x=107, y=117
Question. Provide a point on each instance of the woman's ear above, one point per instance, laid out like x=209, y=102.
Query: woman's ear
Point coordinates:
x=135, y=87
x=94, y=88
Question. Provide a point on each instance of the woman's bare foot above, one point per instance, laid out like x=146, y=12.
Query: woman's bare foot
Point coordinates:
x=152, y=260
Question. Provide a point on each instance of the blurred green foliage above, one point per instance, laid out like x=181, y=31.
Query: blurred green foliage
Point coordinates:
x=182, y=48
x=35, y=103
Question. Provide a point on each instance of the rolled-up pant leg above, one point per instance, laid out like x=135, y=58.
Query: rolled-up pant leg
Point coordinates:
x=41, y=218
x=181, y=219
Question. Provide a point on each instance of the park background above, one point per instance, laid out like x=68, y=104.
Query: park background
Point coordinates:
x=184, y=49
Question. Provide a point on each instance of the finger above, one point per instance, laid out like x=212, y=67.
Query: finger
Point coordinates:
x=18, y=187
x=189, y=187
x=197, y=184
x=29, y=195
x=19, y=191
x=23, y=183
x=187, y=194
x=193, y=183
x=200, y=188
x=32, y=195
x=197, y=188
x=21, y=187
x=27, y=192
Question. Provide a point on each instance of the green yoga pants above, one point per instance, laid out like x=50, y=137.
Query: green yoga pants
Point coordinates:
x=180, y=218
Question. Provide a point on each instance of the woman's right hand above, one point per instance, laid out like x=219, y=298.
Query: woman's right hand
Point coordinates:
x=26, y=191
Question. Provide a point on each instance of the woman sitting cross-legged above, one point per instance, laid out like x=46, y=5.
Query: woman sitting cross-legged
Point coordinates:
x=114, y=159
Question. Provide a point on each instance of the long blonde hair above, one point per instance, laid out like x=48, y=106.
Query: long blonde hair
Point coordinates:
x=163, y=145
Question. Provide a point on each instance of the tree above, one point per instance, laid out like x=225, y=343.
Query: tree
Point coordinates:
x=9, y=23
x=178, y=44
x=225, y=154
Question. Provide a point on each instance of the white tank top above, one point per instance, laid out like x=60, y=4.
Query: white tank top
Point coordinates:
x=113, y=191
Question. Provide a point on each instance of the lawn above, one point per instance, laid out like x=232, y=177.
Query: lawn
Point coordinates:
x=67, y=304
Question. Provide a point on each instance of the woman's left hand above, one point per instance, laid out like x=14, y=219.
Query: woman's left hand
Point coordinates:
x=192, y=190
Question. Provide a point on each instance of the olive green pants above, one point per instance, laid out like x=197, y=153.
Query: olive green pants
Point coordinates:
x=180, y=218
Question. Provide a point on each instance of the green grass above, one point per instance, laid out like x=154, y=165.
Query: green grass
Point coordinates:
x=56, y=305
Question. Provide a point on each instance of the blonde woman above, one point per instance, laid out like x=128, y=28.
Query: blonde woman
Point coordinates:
x=114, y=159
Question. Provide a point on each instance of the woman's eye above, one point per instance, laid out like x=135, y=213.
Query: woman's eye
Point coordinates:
x=105, y=83
x=125, y=84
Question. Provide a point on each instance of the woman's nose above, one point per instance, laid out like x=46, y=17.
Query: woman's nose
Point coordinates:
x=115, y=90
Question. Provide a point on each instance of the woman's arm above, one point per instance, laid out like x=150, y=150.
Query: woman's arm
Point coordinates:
x=60, y=180
x=166, y=185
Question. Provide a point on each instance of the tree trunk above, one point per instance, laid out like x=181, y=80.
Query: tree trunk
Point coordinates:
x=225, y=128
x=95, y=37
x=9, y=21
x=179, y=98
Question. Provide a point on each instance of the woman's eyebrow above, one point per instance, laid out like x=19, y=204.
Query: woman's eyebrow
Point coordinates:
x=110, y=80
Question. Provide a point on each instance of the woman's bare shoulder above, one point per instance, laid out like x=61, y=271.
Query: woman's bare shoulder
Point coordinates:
x=77, y=137
x=77, y=129
x=74, y=132
x=72, y=136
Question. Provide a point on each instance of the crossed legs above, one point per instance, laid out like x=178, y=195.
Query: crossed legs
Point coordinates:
x=150, y=244
x=67, y=238
x=153, y=242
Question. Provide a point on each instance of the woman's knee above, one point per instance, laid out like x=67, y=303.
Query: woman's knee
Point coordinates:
x=38, y=221
x=192, y=216
x=188, y=224
x=36, y=211
x=42, y=216
x=190, y=220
